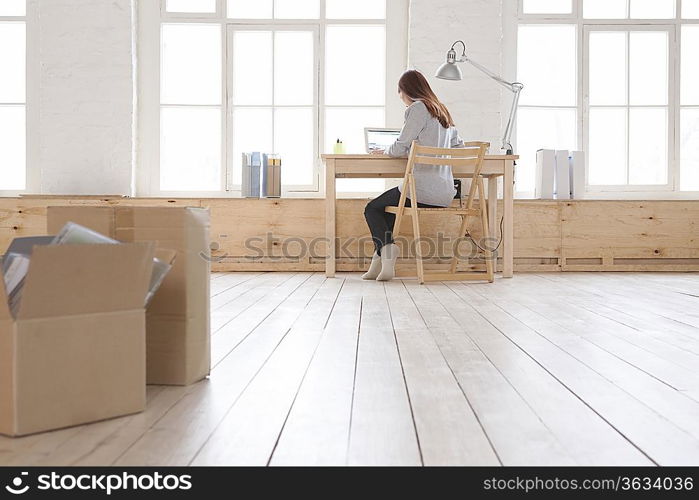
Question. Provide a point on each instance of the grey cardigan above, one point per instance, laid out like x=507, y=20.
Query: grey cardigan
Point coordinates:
x=434, y=183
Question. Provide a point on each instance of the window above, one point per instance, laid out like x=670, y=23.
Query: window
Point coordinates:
x=548, y=114
x=191, y=107
x=262, y=75
x=628, y=106
x=689, y=107
x=274, y=95
x=13, y=96
x=617, y=78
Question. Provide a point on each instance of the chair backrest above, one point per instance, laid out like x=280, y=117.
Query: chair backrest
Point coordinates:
x=471, y=155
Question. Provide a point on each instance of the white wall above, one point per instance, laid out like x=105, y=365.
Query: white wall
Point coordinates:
x=85, y=94
x=475, y=102
x=86, y=76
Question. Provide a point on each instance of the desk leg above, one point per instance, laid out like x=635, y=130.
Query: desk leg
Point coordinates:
x=508, y=224
x=330, y=228
x=493, y=210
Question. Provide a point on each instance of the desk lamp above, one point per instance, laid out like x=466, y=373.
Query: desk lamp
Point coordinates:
x=450, y=71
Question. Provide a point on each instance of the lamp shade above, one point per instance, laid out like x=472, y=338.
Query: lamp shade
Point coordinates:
x=449, y=71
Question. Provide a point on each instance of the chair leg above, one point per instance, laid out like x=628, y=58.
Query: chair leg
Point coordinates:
x=401, y=209
x=418, y=248
x=416, y=230
x=462, y=233
x=489, y=264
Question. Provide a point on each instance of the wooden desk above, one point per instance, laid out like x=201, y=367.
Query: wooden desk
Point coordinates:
x=377, y=167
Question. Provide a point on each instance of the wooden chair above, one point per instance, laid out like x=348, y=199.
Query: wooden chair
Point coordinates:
x=472, y=155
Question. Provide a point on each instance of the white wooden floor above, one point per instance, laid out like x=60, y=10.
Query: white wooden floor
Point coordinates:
x=555, y=369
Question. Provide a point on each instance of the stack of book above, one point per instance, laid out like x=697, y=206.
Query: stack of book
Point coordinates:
x=262, y=175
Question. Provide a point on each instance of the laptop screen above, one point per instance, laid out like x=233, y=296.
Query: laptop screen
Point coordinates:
x=380, y=138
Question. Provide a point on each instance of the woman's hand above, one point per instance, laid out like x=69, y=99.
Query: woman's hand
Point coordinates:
x=378, y=151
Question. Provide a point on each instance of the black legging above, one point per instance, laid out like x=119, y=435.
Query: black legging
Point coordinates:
x=381, y=222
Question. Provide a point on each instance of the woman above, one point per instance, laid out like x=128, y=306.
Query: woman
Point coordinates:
x=428, y=121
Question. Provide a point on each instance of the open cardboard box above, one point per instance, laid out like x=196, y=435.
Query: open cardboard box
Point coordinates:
x=178, y=328
x=76, y=351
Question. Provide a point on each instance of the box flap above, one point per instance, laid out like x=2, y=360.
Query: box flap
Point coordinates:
x=82, y=279
x=100, y=219
x=4, y=306
x=25, y=244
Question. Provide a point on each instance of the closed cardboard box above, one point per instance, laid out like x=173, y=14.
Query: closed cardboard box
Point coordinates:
x=76, y=351
x=177, y=330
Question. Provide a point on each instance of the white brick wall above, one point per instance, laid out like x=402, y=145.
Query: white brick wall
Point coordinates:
x=86, y=96
x=86, y=84
x=476, y=101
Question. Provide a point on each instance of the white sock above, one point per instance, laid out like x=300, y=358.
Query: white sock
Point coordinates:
x=389, y=255
x=374, y=268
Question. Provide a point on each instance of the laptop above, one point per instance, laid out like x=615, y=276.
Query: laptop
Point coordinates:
x=380, y=138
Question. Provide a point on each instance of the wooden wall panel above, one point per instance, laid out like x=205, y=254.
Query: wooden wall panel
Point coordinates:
x=619, y=232
x=549, y=236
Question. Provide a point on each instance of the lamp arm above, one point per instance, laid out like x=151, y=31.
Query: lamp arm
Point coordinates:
x=511, y=86
x=507, y=137
x=514, y=87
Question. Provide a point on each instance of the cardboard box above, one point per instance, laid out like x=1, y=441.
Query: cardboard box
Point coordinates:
x=177, y=330
x=76, y=351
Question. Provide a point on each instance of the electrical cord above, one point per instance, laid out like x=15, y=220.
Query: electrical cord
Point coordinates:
x=473, y=240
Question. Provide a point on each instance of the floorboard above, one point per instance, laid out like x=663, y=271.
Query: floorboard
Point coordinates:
x=542, y=369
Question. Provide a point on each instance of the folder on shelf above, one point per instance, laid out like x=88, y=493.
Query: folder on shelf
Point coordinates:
x=271, y=176
x=252, y=166
x=562, y=178
x=545, y=171
x=577, y=175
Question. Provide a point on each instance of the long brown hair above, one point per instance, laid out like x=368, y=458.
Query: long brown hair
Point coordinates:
x=414, y=85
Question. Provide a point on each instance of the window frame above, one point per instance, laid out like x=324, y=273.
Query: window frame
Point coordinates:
x=673, y=164
x=32, y=172
x=152, y=15
x=514, y=17
x=222, y=105
x=317, y=104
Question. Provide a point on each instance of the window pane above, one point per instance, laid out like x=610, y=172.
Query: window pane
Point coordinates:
x=542, y=129
x=355, y=65
x=293, y=140
x=355, y=9
x=294, y=55
x=13, y=7
x=649, y=70
x=12, y=62
x=208, y=6
x=689, y=156
x=605, y=9
x=297, y=9
x=252, y=131
x=652, y=9
x=252, y=67
x=690, y=65
x=547, y=6
x=607, y=68
x=250, y=9
x=347, y=124
x=547, y=65
x=13, y=172
x=648, y=146
x=608, y=146
x=190, y=149
x=191, y=64
x=690, y=9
